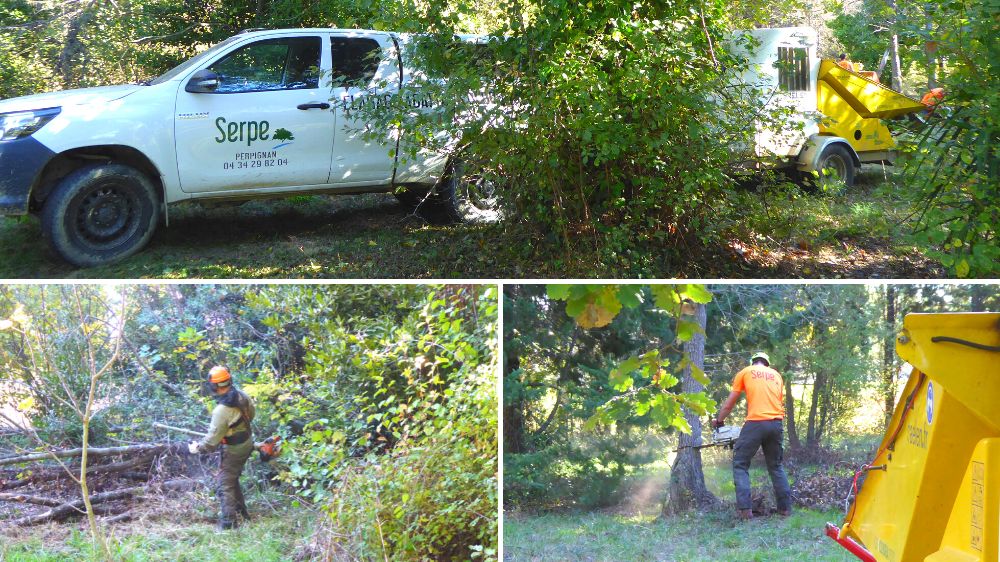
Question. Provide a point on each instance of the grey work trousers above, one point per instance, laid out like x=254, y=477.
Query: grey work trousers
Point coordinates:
x=756, y=435
x=230, y=494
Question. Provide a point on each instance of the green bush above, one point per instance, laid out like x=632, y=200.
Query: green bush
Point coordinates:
x=434, y=497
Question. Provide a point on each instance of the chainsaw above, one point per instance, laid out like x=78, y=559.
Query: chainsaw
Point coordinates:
x=269, y=448
x=724, y=436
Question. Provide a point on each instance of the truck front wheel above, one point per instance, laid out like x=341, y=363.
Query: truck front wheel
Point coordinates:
x=835, y=166
x=99, y=214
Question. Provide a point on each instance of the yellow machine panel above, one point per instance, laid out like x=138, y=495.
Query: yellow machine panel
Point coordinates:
x=855, y=106
x=841, y=119
x=932, y=493
x=867, y=98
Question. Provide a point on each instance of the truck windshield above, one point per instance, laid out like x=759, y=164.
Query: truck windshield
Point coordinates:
x=192, y=62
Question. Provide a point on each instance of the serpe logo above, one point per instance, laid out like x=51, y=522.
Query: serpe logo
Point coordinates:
x=930, y=402
x=250, y=132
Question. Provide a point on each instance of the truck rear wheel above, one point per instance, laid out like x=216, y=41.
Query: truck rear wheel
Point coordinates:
x=467, y=196
x=835, y=166
x=458, y=197
x=99, y=214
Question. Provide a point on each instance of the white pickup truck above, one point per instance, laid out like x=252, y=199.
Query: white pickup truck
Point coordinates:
x=262, y=114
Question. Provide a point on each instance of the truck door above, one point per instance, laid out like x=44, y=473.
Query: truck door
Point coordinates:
x=267, y=124
x=365, y=70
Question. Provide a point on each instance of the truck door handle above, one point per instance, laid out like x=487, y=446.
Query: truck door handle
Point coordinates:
x=314, y=105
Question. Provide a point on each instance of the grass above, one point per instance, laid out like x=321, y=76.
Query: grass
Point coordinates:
x=779, y=233
x=174, y=534
x=366, y=236
x=855, y=232
x=709, y=537
x=633, y=529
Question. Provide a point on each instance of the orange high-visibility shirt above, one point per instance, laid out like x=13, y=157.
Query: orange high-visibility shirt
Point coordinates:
x=846, y=65
x=933, y=97
x=765, y=392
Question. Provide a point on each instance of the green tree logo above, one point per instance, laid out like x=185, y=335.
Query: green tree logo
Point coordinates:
x=283, y=135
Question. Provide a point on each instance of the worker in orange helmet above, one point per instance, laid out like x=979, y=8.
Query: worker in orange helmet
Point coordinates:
x=931, y=99
x=765, y=412
x=231, y=428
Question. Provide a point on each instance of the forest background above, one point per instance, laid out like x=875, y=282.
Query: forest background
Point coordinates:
x=605, y=160
x=598, y=461
x=373, y=389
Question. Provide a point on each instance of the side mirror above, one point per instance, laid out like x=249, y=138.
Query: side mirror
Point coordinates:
x=203, y=82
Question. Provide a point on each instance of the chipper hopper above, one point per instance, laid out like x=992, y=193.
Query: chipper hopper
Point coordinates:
x=932, y=491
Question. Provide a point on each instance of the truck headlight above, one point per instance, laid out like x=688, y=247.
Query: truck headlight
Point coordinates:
x=22, y=124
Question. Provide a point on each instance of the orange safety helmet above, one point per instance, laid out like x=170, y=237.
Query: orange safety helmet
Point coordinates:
x=219, y=377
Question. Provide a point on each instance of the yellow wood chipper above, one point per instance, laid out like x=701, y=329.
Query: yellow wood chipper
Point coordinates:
x=836, y=117
x=932, y=491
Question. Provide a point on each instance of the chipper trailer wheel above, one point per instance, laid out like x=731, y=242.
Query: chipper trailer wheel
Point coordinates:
x=835, y=166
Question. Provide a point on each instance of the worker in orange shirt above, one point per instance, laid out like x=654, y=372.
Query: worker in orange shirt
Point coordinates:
x=931, y=99
x=762, y=429
x=842, y=62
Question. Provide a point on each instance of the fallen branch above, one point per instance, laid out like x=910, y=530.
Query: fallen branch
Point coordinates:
x=76, y=506
x=133, y=475
x=12, y=484
x=66, y=509
x=47, y=474
x=25, y=498
x=97, y=469
x=93, y=451
x=117, y=518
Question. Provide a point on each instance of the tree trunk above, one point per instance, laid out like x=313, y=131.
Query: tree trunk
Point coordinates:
x=889, y=354
x=825, y=405
x=897, y=74
x=72, y=46
x=977, y=300
x=687, y=480
x=260, y=14
x=930, y=51
x=513, y=415
x=793, y=432
x=818, y=387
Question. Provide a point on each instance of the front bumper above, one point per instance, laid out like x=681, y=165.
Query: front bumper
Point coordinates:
x=21, y=161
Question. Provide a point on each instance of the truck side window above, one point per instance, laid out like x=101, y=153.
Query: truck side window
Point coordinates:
x=793, y=69
x=290, y=63
x=355, y=60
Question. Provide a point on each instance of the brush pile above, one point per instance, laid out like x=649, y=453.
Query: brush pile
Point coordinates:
x=43, y=486
x=822, y=488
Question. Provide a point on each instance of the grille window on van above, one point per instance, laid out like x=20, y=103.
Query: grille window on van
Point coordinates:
x=793, y=69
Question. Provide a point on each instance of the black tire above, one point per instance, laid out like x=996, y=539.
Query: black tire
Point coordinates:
x=461, y=197
x=835, y=165
x=100, y=213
